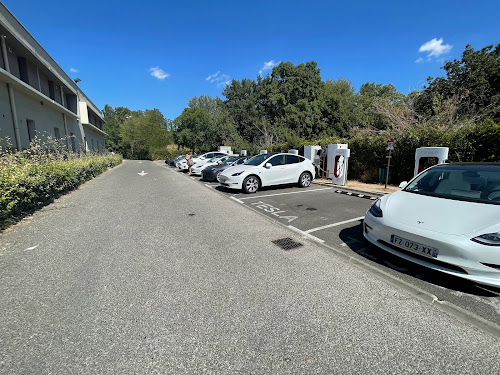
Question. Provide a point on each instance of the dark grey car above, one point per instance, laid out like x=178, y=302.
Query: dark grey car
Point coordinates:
x=213, y=172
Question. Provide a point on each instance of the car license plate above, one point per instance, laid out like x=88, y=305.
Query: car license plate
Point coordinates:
x=414, y=246
x=222, y=179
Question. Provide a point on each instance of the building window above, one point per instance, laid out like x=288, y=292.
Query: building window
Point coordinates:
x=52, y=94
x=56, y=133
x=23, y=69
x=73, y=145
x=31, y=129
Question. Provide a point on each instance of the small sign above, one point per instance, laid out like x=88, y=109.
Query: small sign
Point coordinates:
x=390, y=145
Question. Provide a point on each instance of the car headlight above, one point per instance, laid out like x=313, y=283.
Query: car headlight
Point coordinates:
x=237, y=174
x=489, y=239
x=375, y=209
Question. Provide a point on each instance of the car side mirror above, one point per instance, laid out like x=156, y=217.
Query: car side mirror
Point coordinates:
x=268, y=165
x=403, y=184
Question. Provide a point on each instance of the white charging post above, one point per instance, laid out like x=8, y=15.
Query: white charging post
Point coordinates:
x=337, y=163
x=295, y=152
x=311, y=152
x=262, y=152
x=426, y=157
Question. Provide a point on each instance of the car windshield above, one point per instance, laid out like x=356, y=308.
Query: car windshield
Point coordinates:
x=229, y=160
x=471, y=183
x=214, y=159
x=256, y=160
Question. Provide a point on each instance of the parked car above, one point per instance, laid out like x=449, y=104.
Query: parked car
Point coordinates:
x=267, y=170
x=447, y=218
x=199, y=166
x=171, y=162
x=212, y=173
x=199, y=159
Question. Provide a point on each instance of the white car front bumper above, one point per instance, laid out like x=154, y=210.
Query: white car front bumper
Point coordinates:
x=232, y=182
x=458, y=255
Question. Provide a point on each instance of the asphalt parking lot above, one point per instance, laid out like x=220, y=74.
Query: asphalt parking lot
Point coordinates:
x=333, y=217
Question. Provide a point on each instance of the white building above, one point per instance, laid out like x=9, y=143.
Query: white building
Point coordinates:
x=38, y=98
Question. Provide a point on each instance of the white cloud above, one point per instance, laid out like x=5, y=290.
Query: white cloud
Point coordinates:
x=158, y=73
x=268, y=65
x=419, y=60
x=435, y=47
x=73, y=70
x=218, y=79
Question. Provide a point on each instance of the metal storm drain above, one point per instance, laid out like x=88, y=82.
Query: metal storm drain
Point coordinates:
x=311, y=209
x=191, y=214
x=287, y=243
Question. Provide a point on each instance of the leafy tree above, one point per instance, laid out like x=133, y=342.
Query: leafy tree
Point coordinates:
x=471, y=83
x=143, y=133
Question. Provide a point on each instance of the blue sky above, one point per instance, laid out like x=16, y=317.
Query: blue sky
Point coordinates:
x=151, y=54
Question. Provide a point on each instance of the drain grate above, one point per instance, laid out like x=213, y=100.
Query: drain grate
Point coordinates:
x=287, y=243
x=191, y=214
x=311, y=209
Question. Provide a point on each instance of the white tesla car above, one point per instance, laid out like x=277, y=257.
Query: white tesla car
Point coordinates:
x=200, y=165
x=267, y=170
x=199, y=159
x=446, y=218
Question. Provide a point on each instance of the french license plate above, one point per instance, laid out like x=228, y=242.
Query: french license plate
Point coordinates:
x=414, y=246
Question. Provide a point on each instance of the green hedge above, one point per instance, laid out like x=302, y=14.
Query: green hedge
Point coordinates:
x=26, y=185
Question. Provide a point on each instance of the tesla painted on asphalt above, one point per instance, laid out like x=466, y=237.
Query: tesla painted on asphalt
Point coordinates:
x=446, y=218
x=267, y=170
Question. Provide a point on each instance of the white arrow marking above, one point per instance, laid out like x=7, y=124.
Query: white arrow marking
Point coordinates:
x=31, y=248
x=142, y=173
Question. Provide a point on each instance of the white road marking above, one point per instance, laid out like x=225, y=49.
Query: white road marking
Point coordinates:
x=301, y=232
x=142, y=174
x=292, y=192
x=31, y=248
x=208, y=186
x=334, y=225
x=237, y=200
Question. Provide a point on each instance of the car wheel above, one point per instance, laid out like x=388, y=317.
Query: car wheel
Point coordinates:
x=217, y=175
x=305, y=179
x=251, y=184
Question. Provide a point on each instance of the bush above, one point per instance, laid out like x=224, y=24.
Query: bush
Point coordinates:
x=32, y=178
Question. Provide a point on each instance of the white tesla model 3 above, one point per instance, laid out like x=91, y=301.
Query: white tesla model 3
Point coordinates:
x=446, y=218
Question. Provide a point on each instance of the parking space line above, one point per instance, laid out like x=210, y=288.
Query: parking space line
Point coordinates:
x=334, y=225
x=237, y=200
x=208, y=186
x=301, y=232
x=291, y=192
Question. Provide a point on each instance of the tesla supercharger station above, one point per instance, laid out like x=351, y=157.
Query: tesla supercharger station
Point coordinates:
x=295, y=152
x=337, y=162
x=311, y=153
x=243, y=153
x=426, y=157
x=225, y=149
x=262, y=152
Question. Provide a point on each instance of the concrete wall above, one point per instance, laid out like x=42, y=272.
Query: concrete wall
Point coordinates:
x=95, y=140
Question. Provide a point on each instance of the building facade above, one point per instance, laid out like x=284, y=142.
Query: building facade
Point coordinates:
x=37, y=98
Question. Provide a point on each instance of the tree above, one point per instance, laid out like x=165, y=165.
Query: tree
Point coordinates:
x=473, y=83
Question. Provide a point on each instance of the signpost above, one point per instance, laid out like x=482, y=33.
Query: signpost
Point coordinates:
x=390, y=147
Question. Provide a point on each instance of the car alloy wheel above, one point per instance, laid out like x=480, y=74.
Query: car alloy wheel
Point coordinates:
x=251, y=184
x=217, y=175
x=305, y=179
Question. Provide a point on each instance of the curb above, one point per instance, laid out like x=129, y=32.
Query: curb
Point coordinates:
x=349, y=191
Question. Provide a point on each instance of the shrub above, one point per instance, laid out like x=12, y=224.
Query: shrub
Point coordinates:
x=32, y=178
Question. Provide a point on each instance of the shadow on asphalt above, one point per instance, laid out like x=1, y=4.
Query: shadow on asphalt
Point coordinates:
x=402, y=266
